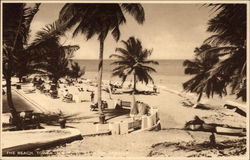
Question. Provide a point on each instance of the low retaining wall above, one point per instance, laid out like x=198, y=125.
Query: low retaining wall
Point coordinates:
x=34, y=144
x=136, y=124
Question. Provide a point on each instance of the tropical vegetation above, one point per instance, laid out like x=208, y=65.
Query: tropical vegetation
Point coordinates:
x=228, y=41
x=200, y=67
x=21, y=58
x=99, y=19
x=75, y=70
x=17, y=18
x=55, y=58
x=133, y=60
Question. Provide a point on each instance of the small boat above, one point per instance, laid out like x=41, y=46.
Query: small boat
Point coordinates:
x=230, y=131
x=208, y=127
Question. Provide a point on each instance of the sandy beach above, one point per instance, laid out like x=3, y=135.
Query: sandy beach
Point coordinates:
x=116, y=79
x=173, y=116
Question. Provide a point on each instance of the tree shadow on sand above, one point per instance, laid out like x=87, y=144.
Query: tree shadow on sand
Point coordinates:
x=137, y=92
x=205, y=149
x=113, y=113
x=54, y=118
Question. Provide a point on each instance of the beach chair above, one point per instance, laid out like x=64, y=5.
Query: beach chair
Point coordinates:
x=104, y=104
x=125, y=104
x=93, y=107
x=28, y=116
x=54, y=93
x=68, y=98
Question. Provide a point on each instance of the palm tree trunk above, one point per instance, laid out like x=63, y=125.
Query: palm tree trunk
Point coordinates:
x=199, y=98
x=10, y=102
x=20, y=79
x=99, y=80
x=134, y=83
x=8, y=76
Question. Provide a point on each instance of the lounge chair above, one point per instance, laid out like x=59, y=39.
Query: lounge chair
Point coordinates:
x=94, y=107
x=68, y=98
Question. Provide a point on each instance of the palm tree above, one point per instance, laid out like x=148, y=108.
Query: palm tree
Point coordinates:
x=16, y=23
x=133, y=59
x=50, y=55
x=229, y=39
x=99, y=19
x=75, y=71
x=200, y=67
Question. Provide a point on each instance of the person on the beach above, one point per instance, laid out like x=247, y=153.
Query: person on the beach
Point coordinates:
x=65, y=92
x=212, y=140
x=155, y=89
x=68, y=97
x=92, y=95
x=111, y=86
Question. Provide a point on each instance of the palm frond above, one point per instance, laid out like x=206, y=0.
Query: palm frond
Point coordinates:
x=136, y=10
x=132, y=60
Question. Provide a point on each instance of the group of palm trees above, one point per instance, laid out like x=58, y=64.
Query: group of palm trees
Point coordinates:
x=99, y=19
x=45, y=52
x=89, y=19
x=221, y=61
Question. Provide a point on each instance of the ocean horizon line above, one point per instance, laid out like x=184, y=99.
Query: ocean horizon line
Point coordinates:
x=113, y=59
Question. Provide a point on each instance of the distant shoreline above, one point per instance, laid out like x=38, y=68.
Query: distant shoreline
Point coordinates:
x=149, y=59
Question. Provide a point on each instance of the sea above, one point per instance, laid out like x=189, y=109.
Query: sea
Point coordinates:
x=170, y=73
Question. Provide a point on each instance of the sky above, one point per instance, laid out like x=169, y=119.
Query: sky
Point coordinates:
x=171, y=30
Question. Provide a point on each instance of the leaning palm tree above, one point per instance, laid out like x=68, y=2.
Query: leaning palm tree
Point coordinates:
x=200, y=67
x=229, y=39
x=17, y=18
x=99, y=19
x=133, y=59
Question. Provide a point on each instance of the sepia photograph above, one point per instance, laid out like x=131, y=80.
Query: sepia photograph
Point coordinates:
x=124, y=79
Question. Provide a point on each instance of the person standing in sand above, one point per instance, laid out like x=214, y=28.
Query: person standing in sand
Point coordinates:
x=92, y=95
x=155, y=89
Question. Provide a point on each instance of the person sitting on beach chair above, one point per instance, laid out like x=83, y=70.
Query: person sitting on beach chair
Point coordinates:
x=104, y=105
x=67, y=96
x=80, y=89
x=93, y=106
x=54, y=93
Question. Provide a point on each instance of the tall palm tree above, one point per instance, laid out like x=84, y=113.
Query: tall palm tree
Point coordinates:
x=16, y=23
x=133, y=59
x=99, y=19
x=229, y=38
x=200, y=67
